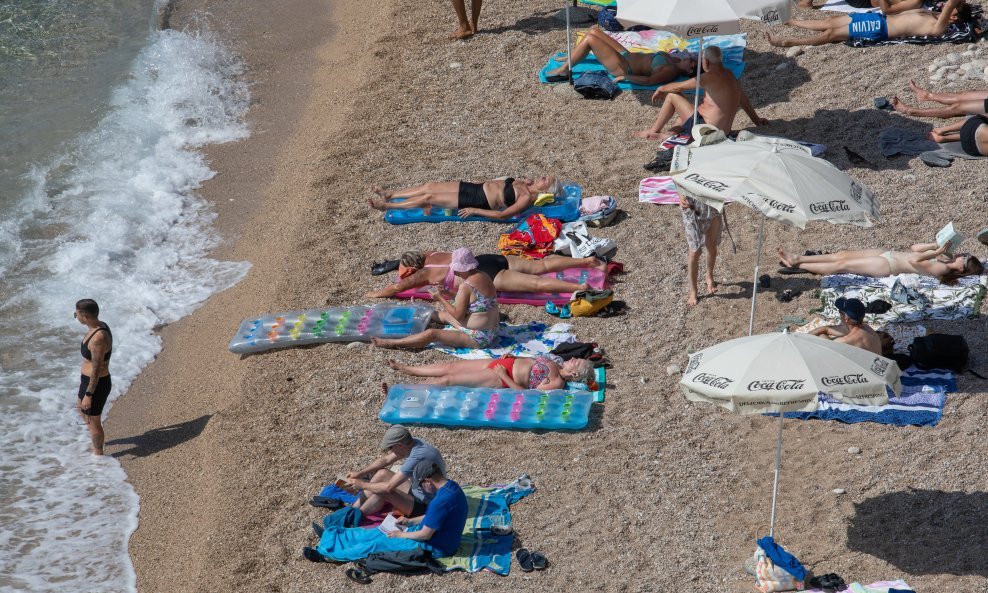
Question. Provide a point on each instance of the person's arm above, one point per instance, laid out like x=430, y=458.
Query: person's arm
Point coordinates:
x=943, y=21
x=928, y=255
x=419, y=278
x=923, y=247
x=521, y=204
x=901, y=6
x=421, y=535
x=750, y=110
x=381, y=487
x=828, y=331
x=407, y=521
x=381, y=462
x=503, y=375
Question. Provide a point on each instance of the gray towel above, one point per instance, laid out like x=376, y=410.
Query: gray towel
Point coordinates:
x=893, y=141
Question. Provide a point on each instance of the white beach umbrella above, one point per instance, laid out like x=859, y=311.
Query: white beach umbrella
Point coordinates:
x=700, y=18
x=783, y=372
x=782, y=180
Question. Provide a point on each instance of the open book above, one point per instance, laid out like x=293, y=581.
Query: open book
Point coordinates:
x=390, y=524
x=949, y=236
x=343, y=484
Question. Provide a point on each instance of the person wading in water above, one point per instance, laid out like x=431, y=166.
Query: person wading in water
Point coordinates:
x=94, y=385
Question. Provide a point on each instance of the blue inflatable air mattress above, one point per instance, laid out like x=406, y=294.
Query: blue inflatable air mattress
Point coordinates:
x=490, y=408
x=566, y=209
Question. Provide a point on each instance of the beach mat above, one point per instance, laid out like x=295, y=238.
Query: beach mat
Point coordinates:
x=331, y=324
x=482, y=407
x=566, y=209
x=960, y=301
x=921, y=402
x=527, y=340
x=595, y=278
x=651, y=41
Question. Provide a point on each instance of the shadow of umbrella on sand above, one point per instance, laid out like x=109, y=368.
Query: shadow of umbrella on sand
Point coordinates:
x=783, y=372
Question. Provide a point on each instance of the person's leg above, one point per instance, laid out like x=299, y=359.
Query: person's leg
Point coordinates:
x=673, y=105
x=874, y=266
x=820, y=24
x=439, y=369
x=947, y=111
x=692, y=272
x=447, y=337
x=440, y=200
x=517, y=282
x=553, y=263
x=450, y=187
x=371, y=503
x=711, y=241
x=463, y=30
x=479, y=378
x=948, y=98
x=475, y=14
x=834, y=35
x=794, y=259
x=603, y=48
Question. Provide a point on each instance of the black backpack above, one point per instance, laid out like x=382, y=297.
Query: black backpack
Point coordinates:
x=407, y=562
x=940, y=351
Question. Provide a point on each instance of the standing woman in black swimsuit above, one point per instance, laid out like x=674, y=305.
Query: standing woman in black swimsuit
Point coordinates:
x=94, y=386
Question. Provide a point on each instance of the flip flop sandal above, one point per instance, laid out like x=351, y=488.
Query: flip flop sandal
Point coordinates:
x=326, y=502
x=983, y=236
x=318, y=527
x=552, y=308
x=791, y=271
x=312, y=555
x=564, y=312
x=830, y=583
x=524, y=558
x=934, y=160
x=358, y=576
x=556, y=77
x=539, y=561
x=883, y=103
x=388, y=265
x=787, y=295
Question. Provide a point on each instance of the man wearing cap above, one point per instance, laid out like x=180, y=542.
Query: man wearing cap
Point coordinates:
x=402, y=489
x=852, y=329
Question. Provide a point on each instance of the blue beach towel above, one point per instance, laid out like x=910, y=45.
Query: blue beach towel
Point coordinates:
x=733, y=47
x=921, y=403
x=566, y=209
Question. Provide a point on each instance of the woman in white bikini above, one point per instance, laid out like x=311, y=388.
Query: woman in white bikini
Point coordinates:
x=925, y=259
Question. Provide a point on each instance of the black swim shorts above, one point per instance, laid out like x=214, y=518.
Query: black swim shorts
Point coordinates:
x=418, y=508
x=99, y=398
x=491, y=264
x=471, y=195
x=969, y=134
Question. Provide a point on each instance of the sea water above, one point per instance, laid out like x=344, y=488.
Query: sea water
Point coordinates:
x=102, y=119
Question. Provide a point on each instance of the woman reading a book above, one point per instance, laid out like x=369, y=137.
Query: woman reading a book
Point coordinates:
x=926, y=259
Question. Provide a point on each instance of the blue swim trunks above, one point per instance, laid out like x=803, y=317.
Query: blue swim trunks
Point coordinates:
x=868, y=26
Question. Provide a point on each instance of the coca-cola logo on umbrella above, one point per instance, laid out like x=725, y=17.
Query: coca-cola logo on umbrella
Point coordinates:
x=707, y=183
x=771, y=16
x=777, y=385
x=706, y=30
x=787, y=208
x=851, y=379
x=829, y=207
x=714, y=381
x=694, y=363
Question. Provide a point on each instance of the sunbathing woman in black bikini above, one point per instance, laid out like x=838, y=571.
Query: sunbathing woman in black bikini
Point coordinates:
x=497, y=199
x=510, y=274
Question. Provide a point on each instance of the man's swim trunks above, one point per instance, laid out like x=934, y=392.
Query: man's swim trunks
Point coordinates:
x=868, y=26
x=694, y=120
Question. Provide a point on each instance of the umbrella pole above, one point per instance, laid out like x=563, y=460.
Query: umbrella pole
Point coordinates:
x=569, y=47
x=696, y=93
x=775, y=486
x=754, y=284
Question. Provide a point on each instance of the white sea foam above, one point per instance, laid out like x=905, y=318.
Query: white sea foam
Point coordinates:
x=114, y=218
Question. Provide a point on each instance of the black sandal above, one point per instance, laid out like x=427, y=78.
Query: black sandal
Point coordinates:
x=312, y=555
x=556, y=77
x=326, y=502
x=792, y=270
x=524, y=559
x=539, y=561
x=388, y=265
x=830, y=583
x=317, y=526
x=358, y=576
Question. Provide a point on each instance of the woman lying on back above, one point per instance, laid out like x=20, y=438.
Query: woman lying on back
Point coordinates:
x=510, y=274
x=497, y=198
x=925, y=259
x=517, y=373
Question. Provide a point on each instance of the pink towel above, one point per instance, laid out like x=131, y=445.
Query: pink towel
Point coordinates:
x=594, y=204
x=658, y=190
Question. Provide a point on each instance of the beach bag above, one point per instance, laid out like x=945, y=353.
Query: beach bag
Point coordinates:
x=575, y=240
x=774, y=568
x=595, y=85
x=409, y=562
x=940, y=351
x=607, y=20
x=601, y=217
x=585, y=303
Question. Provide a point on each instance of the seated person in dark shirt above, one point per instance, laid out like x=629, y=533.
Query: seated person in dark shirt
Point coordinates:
x=439, y=531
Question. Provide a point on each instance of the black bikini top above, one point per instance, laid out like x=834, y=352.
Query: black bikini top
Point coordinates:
x=509, y=191
x=84, y=349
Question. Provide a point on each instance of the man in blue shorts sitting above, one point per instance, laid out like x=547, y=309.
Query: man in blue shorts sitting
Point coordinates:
x=438, y=531
x=873, y=26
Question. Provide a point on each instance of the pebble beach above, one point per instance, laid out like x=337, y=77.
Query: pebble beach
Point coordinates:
x=657, y=494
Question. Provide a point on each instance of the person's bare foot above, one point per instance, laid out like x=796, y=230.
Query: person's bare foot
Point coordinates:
x=773, y=40
x=584, y=286
x=787, y=258
x=394, y=364
x=898, y=105
x=377, y=203
x=921, y=93
x=712, y=286
x=381, y=342
x=806, y=4
x=461, y=33
x=597, y=264
x=650, y=135
x=691, y=299
x=377, y=189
